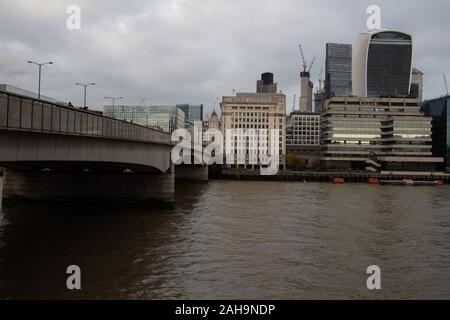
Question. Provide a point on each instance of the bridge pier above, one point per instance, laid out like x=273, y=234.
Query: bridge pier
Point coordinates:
x=147, y=188
x=192, y=173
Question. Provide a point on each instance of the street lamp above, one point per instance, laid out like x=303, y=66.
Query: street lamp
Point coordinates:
x=85, y=85
x=40, y=72
x=113, y=103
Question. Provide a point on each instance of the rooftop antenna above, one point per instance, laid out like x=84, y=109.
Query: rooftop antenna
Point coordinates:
x=445, y=83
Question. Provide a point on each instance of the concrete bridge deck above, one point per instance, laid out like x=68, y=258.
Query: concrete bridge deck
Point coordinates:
x=48, y=149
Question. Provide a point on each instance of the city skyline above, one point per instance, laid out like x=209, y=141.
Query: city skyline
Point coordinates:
x=124, y=52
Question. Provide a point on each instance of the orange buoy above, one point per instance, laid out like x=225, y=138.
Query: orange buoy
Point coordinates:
x=338, y=180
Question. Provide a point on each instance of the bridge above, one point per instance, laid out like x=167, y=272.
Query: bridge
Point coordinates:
x=55, y=152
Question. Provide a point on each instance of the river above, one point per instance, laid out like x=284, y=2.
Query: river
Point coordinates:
x=236, y=240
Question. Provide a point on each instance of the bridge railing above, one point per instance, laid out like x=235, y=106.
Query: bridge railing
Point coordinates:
x=27, y=114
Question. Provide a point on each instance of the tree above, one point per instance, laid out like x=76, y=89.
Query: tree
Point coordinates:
x=294, y=162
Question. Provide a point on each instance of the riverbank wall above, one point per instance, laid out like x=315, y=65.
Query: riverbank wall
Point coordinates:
x=356, y=177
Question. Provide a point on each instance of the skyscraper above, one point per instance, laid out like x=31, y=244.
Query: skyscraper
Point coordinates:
x=439, y=110
x=382, y=63
x=338, y=70
x=306, y=89
x=192, y=112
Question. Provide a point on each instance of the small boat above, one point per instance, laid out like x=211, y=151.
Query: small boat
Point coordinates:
x=338, y=180
x=373, y=181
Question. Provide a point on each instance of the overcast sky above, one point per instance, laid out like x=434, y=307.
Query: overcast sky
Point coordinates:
x=193, y=51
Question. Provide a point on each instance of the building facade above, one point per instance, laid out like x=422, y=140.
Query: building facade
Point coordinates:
x=320, y=97
x=212, y=123
x=266, y=84
x=416, y=90
x=262, y=111
x=439, y=111
x=192, y=112
x=166, y=118
x=302, y=129
x=303, y=138
x=306, y=92
x=376, y=134
x=338, y=70
x=382, y=64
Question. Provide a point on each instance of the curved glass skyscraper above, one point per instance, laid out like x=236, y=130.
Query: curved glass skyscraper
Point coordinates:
x=382, y=63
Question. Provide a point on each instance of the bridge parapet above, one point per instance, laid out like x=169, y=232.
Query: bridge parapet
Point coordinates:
x=22, y=113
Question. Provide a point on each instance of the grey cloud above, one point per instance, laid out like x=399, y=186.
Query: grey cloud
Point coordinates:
x=176, y=51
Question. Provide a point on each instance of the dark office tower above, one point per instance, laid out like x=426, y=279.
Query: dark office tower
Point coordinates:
x=193, y=112
x=439, y=110
x=382, y=64
x=338, y=70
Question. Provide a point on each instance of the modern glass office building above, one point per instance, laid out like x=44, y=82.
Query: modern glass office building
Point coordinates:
x=382, y=64
x=338, y=70
x=167, y=118
x=439, y=111
x=193, y=112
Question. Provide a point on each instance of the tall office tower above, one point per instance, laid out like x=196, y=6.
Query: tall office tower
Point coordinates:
x=417, y=85
x=439, y=110
x=382, y=63
x=338, y=70
x=306, y=92
x=261, y=111
x=266, y=85
x=319, y=97
x=193, y=112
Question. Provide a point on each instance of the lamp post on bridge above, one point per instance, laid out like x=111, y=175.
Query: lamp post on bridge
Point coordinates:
x=113, y=103
x=85, y=85
x=40, y=65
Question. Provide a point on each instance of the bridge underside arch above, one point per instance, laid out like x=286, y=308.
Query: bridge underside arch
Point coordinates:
x=37, y=151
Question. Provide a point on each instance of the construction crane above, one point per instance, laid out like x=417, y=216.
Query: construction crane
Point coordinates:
x=311, y=65
x=445, y=83
x=306, y=68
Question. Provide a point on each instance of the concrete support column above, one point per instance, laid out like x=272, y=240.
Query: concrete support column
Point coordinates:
x=156, y=188
x=192, y=173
